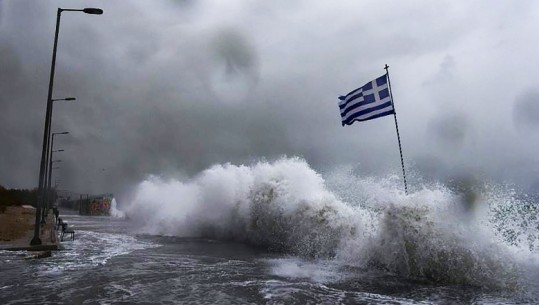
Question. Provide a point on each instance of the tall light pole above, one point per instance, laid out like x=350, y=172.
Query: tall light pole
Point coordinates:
x=45, y=209
x=49, y=135
x=56, y=181
x=48, y=198
x=49, y=180
x=43, y=164
x=49, y=193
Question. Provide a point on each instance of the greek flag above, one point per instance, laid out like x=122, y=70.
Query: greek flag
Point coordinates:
x=366, y=103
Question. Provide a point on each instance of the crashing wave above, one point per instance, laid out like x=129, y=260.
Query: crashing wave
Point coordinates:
x=286, y=206
x=114, y=211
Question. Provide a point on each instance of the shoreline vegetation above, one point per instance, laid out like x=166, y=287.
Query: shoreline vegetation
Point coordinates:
x=16, y=197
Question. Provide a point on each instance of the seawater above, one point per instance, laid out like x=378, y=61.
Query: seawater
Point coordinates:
x=484, y=237
x=281, y=233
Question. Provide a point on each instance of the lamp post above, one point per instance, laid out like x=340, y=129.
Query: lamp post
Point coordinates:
x=50, y=190
x=50, y=193
x=56, y=184
x=36, y=240
x=49, y=148
x=57, y=181
x=45, y=210
x=48, y=199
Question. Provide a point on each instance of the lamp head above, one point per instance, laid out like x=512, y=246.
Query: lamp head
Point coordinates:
x=93, y=11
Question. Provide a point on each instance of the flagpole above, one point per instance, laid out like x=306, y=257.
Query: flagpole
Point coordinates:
x=397, y=128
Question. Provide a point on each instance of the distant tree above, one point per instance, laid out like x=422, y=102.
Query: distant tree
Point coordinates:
x=9, y=197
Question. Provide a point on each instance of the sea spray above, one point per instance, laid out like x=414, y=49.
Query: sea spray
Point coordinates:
x=114, y=211
x=515, y=218
x=434, y=242
x=286, y=206
x=282, y=206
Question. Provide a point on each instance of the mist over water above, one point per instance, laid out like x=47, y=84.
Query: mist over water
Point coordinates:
x=487, y=240
x=114, y=211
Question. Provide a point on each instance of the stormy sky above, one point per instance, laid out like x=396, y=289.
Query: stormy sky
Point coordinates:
x=172, y=87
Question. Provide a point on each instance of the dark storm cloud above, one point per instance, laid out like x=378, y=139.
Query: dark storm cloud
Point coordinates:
x=173, y=87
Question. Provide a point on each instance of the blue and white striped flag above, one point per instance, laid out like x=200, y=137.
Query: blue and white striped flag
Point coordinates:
x=366, y=103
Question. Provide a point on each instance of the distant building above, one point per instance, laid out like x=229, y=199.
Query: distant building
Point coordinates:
x=96, y=205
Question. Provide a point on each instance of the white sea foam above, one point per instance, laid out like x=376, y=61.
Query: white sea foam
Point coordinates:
x=91, y=249
x=286, y=206
x=322, y=271
x=114, y=211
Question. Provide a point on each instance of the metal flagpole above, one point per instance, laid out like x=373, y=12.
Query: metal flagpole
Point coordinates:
x=397, y=127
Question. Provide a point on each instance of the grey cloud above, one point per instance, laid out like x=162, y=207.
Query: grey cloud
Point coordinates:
x=173, y=87
x=449, y=130
x=526, y=111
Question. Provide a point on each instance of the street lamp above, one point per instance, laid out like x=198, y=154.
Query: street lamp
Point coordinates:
x=36, y=240
x=50, y=193
x=48, y=199
x=94, y=11
x=64, y=99
x=56, y=184
x=49, y=149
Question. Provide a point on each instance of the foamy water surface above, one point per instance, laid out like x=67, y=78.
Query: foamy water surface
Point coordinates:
x=280, y=233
